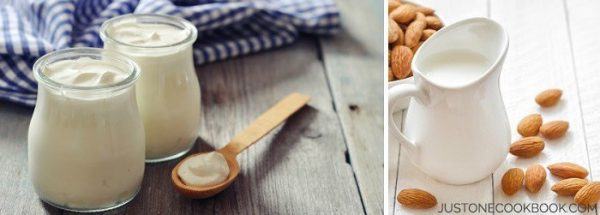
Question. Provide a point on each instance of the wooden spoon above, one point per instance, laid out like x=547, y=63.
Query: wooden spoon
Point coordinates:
x=259, y=128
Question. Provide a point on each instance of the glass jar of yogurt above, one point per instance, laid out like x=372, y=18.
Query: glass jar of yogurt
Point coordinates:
x=168, y=93
x=86, y=138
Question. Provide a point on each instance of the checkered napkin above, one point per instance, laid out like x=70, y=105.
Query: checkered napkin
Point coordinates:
x=226, y=28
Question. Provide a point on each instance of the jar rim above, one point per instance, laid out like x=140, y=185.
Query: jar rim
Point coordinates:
x=158, y=18
x=76, y=53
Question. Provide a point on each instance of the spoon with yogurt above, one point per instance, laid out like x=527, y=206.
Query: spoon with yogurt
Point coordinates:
x=206, y=174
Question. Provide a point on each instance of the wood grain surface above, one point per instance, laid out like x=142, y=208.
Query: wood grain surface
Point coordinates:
x=326, y=159
x=354, y=62
x=552, y=44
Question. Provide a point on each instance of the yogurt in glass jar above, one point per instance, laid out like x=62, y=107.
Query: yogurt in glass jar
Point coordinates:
x=86, y=138
x=168, y=92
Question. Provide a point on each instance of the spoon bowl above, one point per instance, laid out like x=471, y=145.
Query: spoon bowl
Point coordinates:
x=256, y=130
x=196, y=192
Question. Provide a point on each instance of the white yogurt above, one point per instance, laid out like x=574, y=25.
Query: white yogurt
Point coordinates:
x=168, y=92
x=204, y=170
x=86, y=146
x=85, y=72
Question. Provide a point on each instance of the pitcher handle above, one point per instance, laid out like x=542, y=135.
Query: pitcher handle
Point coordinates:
x=397, y=93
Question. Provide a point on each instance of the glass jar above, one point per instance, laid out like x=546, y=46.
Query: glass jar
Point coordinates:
x=86, y=143
x=168, y=92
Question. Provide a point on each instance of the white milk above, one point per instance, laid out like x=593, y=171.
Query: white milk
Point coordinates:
x=454, y=67
x=168, y=92
x=86, y=146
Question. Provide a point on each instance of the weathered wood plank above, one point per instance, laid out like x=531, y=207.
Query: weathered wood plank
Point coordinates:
x=409, y=176
x=299, y=168
x=354, y=64
x=539, y=58
x=584, y=22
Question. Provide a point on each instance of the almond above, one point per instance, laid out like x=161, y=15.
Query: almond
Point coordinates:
x=404, y=13
x=400, y=58
x=434, y=22
x=394, y=32
x=554, y=129
x=527, y=147
x=535, y=177
x=393, y=4
x=414, y=49
x=425, y=10
x=548, y=97
x=512, y=181
x=530, y=125
x=415, y=31
x=568, y=170
x=588, y=194
x=427, y=33
x=569, y=187
x=390, y=75
x=416, y=198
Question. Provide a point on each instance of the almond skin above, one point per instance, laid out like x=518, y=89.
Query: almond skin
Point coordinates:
x=415, y=31
x=395, y=33
x=392, y=5
x=400, y=58
x=554, y=129
x=434, y=22
x=425, y=10
x=588, y=194
x=427, y=33
x=535, y=177
x=568, y=170
x=530, y=125
x=527, y=147
x=512, y=181
x=548, y=97
x=569, y=187
x=404, y=13
x=416, y=198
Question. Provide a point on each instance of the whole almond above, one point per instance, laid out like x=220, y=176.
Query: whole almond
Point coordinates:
x=548, y=97
x=512, y=181
x=530, y=125
x=400, y=58
x=427, y=33
x=415, y=31
x=434, y=22
x=535, y=177
x=393, y=4
x=568, y=170
x=425, y=10
x=588, y=194
x=554, y=129
x=404, y=13
x=568, y=187
x=527, y=147
x=416, y=198
x=394, y=32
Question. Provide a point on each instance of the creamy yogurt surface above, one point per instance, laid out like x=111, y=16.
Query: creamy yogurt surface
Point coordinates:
x=85, y=72
x=132, y=32
x=204, y=170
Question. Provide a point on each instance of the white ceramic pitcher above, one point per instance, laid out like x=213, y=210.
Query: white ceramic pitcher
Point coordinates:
x=456, y=130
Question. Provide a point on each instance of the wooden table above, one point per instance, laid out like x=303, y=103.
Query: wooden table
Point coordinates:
x=553, y=43
x=325, y=159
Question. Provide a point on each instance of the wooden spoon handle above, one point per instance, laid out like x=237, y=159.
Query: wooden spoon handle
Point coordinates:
x=265, y=123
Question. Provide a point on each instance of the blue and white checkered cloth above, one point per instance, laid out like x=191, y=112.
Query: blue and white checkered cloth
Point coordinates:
x=226, y=28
